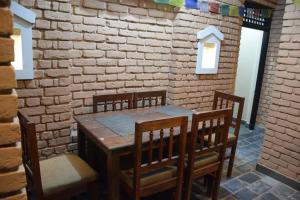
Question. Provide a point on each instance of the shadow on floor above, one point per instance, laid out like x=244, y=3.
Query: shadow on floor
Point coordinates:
x=246, y=183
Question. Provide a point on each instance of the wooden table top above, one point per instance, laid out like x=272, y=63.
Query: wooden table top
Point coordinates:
x=109, y=140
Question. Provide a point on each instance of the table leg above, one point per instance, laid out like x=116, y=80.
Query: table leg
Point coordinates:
x=81, y=143
x=113, y=176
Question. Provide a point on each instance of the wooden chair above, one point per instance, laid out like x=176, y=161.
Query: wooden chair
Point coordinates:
x=60, y=177
x=149, y=99
x=113, y=102
x=206, y=158
x=153, y=174
x=223, y=100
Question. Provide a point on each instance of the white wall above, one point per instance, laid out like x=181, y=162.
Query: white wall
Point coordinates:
x=250, y=48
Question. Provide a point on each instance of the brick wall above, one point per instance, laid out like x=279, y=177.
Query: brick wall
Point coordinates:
x=270, y=67
x=12, y=176
x=83, y=48
x=47, y=98
x=185, y=87
x=281, y=151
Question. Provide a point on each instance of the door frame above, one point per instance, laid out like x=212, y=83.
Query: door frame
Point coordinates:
x=256, y=23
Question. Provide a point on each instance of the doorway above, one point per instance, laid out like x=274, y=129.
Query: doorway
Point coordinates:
x=248, y=63
x=251, y=63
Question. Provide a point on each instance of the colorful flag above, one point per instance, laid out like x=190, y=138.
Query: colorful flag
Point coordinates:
x=297, y=2
x=177, y=3
x=264, y=13
x=224, y=9
x=214, y=7
x=250, y=12
x=203, y=6
x=241, y=11
x=162, y=1
x=233, y=11
x=269, y=13
x=191, y=4
x=257, y=13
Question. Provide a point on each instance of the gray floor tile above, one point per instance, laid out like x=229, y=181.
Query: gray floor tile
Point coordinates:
x=295, y=196
x=249, y=178
x=223, y=192
x=234, y=185
x=283, y=191
x=259, y=187
x=245, y=168
x=269, y=196
x=270, y=181
x=245, y=194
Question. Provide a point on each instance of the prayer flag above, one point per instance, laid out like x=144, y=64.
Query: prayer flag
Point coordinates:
x=256, y=12
x=250, y=12
x=264, y=13
x=241, y=11
x=269, y=13
x=297, y=2
x=177, y=3
x=162, y=1
x=203, y=6
x=233, y=11
x=214, y=7
x=224, y=9
x=191, y=4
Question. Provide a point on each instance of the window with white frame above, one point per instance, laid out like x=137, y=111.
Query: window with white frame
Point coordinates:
x=209, y=44
x=22, y=36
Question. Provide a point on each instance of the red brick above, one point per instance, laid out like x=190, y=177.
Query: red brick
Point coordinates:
x=6, y=22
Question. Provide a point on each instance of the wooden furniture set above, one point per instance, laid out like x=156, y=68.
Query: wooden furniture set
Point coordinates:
x=172, y=146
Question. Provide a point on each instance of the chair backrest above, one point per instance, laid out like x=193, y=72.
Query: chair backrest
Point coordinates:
x=205, y=126
x=112, y=102
x=223, y=100
x=30, y=155
x=149, y=99
x=160, y=135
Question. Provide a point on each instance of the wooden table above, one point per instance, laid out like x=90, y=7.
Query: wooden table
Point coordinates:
x=114, y=144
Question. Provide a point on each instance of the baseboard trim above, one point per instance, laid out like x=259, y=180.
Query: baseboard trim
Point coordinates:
x=269, y=172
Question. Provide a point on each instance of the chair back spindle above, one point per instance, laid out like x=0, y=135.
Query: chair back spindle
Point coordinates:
x=223, y=100
x=160, y=134
x=213, y=124
x=112, y=102
x=149, y=99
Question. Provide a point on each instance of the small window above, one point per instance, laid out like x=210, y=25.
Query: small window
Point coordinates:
x=209, y=55
x=22, y=36
x=209, y=45
x=18, y=63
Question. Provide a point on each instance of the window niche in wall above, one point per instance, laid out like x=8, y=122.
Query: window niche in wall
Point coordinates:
x=22, y=36
x=209, y=44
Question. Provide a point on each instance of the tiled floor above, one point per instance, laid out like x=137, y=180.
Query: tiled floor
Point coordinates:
x=246, y=183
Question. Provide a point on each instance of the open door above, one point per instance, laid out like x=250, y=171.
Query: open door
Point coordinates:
x=251, y=64
x=248, y=64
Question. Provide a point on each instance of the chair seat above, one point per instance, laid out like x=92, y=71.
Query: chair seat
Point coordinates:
x=64, y=172
x=204, y=159
x=231, y=137
x=150, y=177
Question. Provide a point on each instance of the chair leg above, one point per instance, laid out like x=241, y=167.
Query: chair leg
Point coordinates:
x=216, y=184
x=209, y=183
x=187, y=190
x=231, y=160
x=93, y=190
